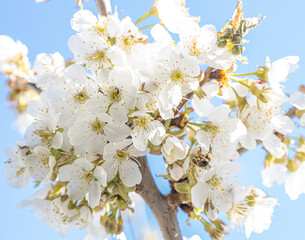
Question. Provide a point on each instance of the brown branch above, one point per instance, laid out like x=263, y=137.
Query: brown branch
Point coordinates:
x=291, y=113
x=158, y=203
x=104, y=7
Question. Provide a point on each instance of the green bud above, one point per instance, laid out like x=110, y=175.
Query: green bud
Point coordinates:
x=121, y=205
x=111, y=226
x=182, y=187
x=287, y=141
x=279, y=160
x=120, y=225
x=301, y=141
x=185, y=197
x=254, y=90
x=237, y=49
x=293, y=165
x=113, y=188
x=262, y=98
x=103, y=220
x=262, y=73
x=221, y=42
x=237, y=38
x=229, y=33
x=300, y=156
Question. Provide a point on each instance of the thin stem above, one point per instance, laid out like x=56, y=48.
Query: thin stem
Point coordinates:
x=243, y=74
x=195, y=124
x=240, y=82
x=149, y=26
x=143, y=17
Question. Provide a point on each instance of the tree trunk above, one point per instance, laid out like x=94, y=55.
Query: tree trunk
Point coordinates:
x=164, y=213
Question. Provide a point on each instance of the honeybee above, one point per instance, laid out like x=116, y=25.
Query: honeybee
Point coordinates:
x=201, y=160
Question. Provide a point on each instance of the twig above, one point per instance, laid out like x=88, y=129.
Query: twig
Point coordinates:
x=104, y=7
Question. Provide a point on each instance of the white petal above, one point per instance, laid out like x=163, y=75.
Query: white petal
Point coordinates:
x=203, y=139
x=203, y=107
x=190, y=67
x=94, y=194
x=101, y=175
x=83, y=19
x=176, y=171
x=274, y=145
x=130, y=173
x=283, y=124
x=297, y=99
x=220, y=113
x=199, y=194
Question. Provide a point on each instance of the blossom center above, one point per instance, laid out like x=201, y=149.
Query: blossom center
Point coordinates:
x=195, y=50
x=100, y=28
x=142, y=121
x=122, y=155
x=177, y=75
x=115, y=95
x=98, y=126
x=81, y=97
x=215, y=181
x=43, y=134
x=211, y=128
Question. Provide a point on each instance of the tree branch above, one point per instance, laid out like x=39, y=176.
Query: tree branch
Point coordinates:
x=104, y=7
x=158, y=203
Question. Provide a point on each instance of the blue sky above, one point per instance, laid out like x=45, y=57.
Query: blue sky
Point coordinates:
x=45, y=28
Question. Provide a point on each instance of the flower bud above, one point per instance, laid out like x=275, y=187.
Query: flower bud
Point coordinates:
x=120, y=225
x=113, y=188
x=300, y=156
x=182, y=187
x=237, y=38
x=237, y=49
x=302, y=89
x=262, y=98
x=229, y=33
x=111, y=227
x=293, y=165
x=221, y=42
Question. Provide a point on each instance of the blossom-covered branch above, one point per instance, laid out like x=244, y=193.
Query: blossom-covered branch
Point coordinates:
x=93, y=121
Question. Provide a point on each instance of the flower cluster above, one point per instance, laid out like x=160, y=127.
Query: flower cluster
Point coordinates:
x=123, y=97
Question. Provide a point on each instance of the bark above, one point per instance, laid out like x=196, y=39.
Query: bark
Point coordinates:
x=164, y=212
x=104, y=7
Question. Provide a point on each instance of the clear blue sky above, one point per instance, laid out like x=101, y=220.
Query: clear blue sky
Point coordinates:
x=45, y=28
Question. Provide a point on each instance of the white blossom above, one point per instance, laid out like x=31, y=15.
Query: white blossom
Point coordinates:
x=222, y=132
x=84, y=179
x=41, y=163
x=17, y=170
x=217, y=186
x=146, y=129
x=120, y=158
